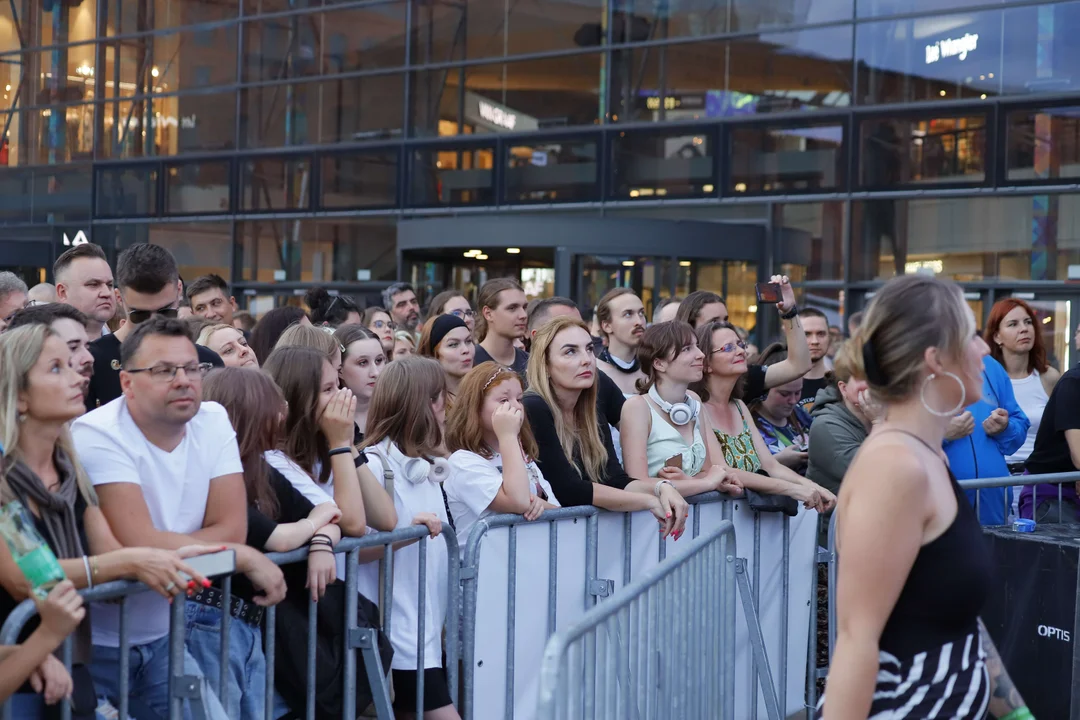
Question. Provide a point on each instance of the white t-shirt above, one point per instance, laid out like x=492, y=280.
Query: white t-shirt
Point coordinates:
x=175, y=486
x=474, y=482
x=410, y=499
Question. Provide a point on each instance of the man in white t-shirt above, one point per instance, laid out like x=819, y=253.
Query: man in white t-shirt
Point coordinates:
x=167, y=472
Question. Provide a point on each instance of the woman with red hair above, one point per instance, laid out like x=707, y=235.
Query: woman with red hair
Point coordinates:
x=1015, y=337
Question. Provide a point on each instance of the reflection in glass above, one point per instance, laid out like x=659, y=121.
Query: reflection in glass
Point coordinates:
x=275, y=184
x=789, y=159
x=197, y=187
x=360, y=180
x=508, y=97
x=811, y=241
x=127, y=191
x=452, y=176
x=648, y=165
x=966, y=239
x=915, y=151
x=1043, y=144
x=557, y=170
x=881, y=8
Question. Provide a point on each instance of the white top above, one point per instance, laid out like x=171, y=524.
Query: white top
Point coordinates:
x=1032, y=398
x=474, y=482
x=411, y=498
x=175, y=486
x=665, y=441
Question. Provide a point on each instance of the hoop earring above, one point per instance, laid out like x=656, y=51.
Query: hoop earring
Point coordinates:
x=947, y=413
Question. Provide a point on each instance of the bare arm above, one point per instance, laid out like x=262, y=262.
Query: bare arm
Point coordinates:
x=514, y=494
x=381, y=513
x=348, y=495
x=798, y=360
x=634, y=437
x=879, y=546
x=20, y=661
x=1004, y=697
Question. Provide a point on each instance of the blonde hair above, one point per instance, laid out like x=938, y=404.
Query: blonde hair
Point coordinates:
x=401, y=407
x=406, y=337
x=906, y=317
x=845, y=364
x=299, y=335
x=207, y=332
x=20, y=349
x=584, y=434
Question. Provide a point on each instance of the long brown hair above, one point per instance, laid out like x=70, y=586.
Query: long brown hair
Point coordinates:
x=401, y=407
x=489, y=298
x=662, y=341
x=465, y=426
x=584, y=435
x=1037, y=355
x=705, y=342
x=298, y=372
x=254, y=403
x=312, y=337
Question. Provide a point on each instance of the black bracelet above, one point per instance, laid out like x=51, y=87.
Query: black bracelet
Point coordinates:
x=321, y=537
x=361, y=459
x=790, y=314
x=340, y=451
x=320, y=549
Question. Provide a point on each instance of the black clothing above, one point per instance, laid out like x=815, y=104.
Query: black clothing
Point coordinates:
x=105, y=384
x=1051, y=453
x=755, y=383
x=521, y=359
x=810, y=389
x=570, y=486
x=436, y=690
x=609, y=399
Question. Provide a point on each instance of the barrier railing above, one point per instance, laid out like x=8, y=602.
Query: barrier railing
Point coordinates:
x=192, y=689
x=830, y=557
x=623, y=661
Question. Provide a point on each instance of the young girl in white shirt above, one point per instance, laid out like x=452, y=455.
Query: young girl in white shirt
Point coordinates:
x=492, y=465
x=404, y=448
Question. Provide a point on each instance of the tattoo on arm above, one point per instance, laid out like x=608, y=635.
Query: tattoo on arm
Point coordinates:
x=1004, y=697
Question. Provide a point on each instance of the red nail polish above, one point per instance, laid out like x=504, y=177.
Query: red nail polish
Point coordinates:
x=191, y=584
x=206, y=583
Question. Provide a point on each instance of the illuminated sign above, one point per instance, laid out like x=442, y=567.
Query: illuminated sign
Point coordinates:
x=80, y=239
x=490, y=115
x=497, y=115
x=952, y=47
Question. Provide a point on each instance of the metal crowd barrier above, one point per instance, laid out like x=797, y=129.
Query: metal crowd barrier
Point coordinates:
x=182, y=687
x=624, y=661
x=829, y=557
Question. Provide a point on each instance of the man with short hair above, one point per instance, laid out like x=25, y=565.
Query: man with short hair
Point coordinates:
x=149, y=284
x=42, y=294
x=400, y=300
x=13, y=297
x=209, y=298
x=666, y=310
x=167, y=472
x=70, y=325
x=816, y=328
x=621, y=316
x=540, y=311
x=84, y=281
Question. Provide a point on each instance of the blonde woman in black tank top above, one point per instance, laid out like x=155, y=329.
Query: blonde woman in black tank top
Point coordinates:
x=913, y=569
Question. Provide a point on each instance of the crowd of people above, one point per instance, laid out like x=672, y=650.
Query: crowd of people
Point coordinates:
x=139, y=438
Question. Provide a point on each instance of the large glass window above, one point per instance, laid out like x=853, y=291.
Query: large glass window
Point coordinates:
x=658, y=165
x=787, y=158
x=269, y=184
x=197, y=188
x=811, y=241
x=125, y=18
x=1043, y=144
x=555, y=170
x=360, y=179
x=929, y=151
x=127, y=191
x=314, y=251
x=508, y=97
x=1027, y=238
x=448, y=175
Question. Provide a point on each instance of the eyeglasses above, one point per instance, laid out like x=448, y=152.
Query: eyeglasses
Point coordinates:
x=730, y=347
x=380, y=324
x=140, y=316
x=163, y=373
x=462, y=314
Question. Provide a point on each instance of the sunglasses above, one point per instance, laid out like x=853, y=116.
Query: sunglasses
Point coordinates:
x=140, y=316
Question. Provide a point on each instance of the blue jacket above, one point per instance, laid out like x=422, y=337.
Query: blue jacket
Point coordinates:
x=980, y=456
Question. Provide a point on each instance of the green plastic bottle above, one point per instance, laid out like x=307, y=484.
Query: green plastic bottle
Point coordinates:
x=32, y=554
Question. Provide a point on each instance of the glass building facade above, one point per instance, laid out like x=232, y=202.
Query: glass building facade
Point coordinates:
x=283, y=143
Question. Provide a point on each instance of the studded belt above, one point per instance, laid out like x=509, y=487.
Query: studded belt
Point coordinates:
x=248, y=612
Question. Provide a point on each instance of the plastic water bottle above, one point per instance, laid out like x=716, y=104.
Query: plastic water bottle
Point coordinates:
x=31, y=553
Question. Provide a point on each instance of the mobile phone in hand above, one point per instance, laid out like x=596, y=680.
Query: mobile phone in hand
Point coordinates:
x=213, y=564
x=768, y=293
x=675, y=461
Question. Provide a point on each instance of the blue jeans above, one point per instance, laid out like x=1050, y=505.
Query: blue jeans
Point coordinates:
x=25, y=706
x=148, y=677
x=246, y=696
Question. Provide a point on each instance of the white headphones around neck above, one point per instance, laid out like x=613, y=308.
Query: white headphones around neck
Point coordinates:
x=417, y=470
x=679, y=413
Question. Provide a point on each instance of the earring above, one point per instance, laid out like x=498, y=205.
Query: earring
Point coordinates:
x=22, y=417
x=947, y=413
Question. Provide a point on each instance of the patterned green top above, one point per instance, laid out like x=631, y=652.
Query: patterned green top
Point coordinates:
x=739, y=452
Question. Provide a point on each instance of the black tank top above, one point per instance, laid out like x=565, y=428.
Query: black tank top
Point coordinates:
x=945, y=590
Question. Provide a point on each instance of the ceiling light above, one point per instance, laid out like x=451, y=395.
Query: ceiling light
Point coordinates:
x=472, y=253
x=740, y=187
x=481, y=256
x=752, y=309
x=942, y=93
x=513, y=251
x=707, y=188
x=628, y=263
x=154, y=72
x=684, y=263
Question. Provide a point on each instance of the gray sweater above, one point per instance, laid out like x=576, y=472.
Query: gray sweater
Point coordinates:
x=835, y=436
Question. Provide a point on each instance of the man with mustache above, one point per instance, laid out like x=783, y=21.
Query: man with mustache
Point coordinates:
x=400, y=300
x=166, y=468
x=71, y=326
x=149, y=284
x=622, y=323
